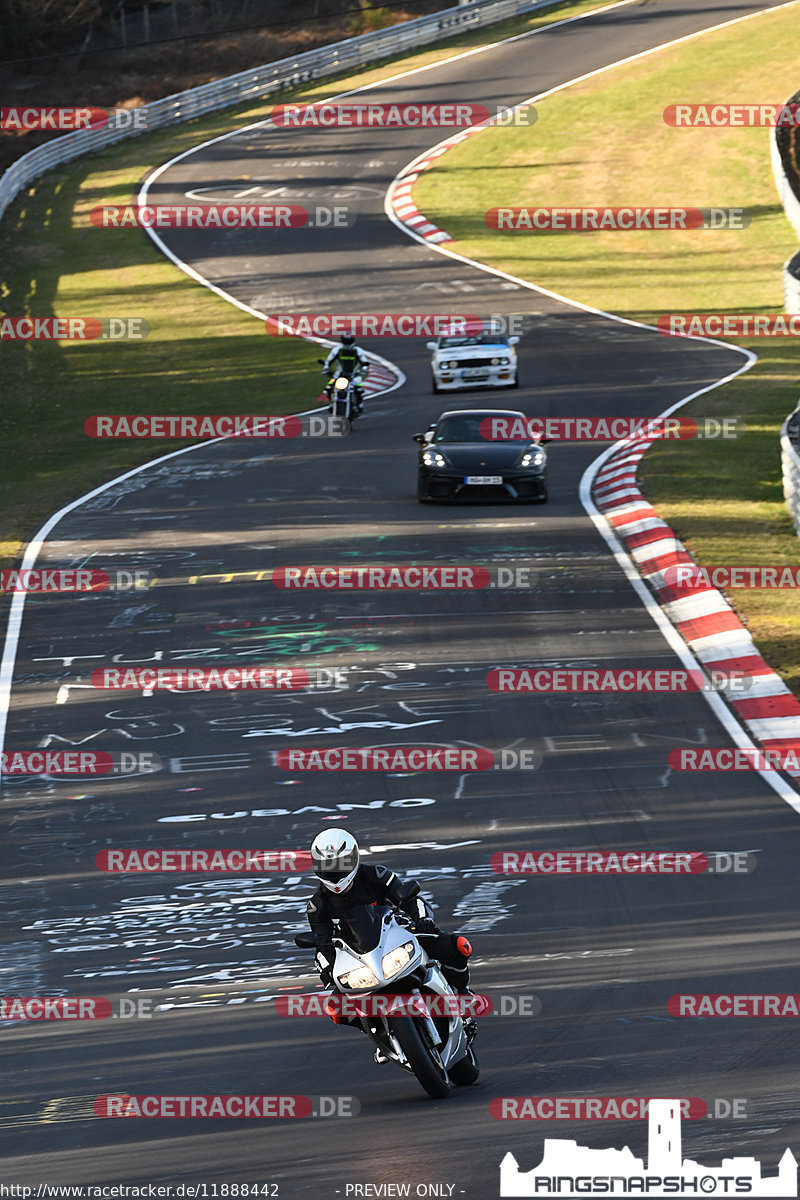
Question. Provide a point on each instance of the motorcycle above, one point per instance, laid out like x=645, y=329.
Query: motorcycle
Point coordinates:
x=378, y=955
x=342, y=404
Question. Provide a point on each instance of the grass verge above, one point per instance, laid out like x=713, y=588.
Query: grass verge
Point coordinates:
x=203, y=354
x=604, y=141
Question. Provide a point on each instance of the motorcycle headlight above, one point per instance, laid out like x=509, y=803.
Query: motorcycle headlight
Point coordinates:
x=361, y=977
x=532, y=458
x=432, y=458
x=395, y=960
x=341, y=383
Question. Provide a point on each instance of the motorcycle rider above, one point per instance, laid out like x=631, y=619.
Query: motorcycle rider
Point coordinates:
x=346, y=883
x=352, y=363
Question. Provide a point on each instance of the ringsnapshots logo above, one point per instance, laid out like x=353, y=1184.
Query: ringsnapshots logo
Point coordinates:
x=24, y=118
x=616, y=218
x=567, y=1169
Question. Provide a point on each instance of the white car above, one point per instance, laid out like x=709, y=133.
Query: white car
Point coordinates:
x=482, y=360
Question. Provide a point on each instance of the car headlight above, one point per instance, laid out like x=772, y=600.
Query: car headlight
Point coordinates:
x=395, y=960
x=341, y=383
x=504, y=362
x=496, y=362
x=361, y=977
x=432, y=458
x=452, y=365
x=532, y=458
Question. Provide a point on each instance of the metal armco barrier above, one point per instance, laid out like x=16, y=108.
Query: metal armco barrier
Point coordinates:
x=264, y=81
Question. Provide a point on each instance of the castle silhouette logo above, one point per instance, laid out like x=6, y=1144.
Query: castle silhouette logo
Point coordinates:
x=568, y=1169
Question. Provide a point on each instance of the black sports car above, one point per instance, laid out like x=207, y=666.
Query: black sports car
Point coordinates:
x=481, y=454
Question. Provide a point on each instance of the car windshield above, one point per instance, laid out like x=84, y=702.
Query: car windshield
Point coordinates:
x=460, y=429
x=479, y=339
x=361, y=927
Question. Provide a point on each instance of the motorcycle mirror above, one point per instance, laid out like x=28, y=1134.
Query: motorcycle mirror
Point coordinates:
x=305, y=940
x=409, y=889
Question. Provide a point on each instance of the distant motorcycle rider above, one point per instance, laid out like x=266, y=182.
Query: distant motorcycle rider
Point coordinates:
x=345, y=883
x=351, y=362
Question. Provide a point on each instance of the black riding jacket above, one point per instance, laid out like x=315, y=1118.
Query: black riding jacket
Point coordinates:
x=372, y=884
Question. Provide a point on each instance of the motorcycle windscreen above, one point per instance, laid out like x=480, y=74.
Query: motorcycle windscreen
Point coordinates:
x=362, y=926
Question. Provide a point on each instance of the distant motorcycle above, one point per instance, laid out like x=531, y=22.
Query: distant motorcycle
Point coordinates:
x=342, y=401
x=377, y=955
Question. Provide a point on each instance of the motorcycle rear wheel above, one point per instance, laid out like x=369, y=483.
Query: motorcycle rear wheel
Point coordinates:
x=418, y=1051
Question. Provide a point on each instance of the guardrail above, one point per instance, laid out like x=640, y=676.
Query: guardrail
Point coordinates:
x=264, y=81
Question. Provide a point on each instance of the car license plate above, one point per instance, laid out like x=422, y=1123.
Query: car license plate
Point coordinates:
x=495, y=479
x=474, y=373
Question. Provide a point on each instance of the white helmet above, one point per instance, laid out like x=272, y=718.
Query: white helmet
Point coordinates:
x=334, y=854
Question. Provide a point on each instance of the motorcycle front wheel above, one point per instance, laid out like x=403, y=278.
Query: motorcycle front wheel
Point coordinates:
x=422, y=1057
